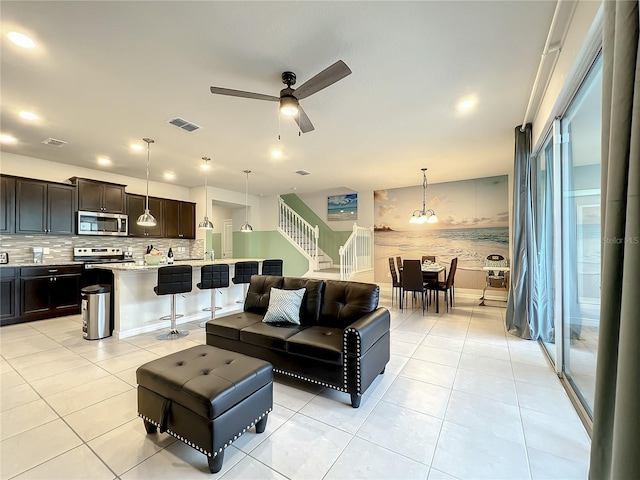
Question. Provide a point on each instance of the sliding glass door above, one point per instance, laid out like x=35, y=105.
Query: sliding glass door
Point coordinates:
x=566, y=199
x=581, y=237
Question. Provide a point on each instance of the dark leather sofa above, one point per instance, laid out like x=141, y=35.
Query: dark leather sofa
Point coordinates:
x=342, y=341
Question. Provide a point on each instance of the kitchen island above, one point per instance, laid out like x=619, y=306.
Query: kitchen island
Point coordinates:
x=137, y=309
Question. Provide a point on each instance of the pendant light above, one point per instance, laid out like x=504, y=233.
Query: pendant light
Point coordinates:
x=424, y=215
x=246, y=228
x=146, y=219
x=205, y=224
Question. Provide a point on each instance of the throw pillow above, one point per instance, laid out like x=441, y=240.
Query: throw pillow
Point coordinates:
x=284, y=306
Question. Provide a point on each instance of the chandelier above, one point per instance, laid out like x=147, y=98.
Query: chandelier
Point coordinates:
x=425, y=215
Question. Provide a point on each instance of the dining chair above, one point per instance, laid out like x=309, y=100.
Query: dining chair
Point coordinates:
x=431, y=258
x=412, y=281
x=447, y=285
x=396, y=286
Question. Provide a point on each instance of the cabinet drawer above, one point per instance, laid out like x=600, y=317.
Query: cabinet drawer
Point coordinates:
x=8, y=272
x=50, y=270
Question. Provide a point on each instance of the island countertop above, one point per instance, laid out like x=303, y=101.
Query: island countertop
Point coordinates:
x=138, y=309
x=194, y=263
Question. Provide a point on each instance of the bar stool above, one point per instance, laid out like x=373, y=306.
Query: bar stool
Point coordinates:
x=243, y=272
x=213, y=277
x=173, y=280
x=272, y=267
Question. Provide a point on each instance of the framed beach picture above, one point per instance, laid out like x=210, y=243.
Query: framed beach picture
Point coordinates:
x=342, y=207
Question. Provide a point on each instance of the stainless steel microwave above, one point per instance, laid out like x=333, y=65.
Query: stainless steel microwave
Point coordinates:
x=99, y=223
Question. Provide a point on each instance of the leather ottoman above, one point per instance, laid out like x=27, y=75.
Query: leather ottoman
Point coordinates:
x=206, y=397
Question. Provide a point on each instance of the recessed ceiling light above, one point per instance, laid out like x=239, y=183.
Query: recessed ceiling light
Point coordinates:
x=169, y=175
x=6, y=138
x=276, y=153
x=136, y=146
x=21, y=40
x=104, y=161
x=28, y=115
x=466, y=104
x=205, y=166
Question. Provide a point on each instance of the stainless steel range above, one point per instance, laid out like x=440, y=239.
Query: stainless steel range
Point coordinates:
x=90, y=255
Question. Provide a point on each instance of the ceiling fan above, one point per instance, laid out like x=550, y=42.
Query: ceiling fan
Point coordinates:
x=289, y=97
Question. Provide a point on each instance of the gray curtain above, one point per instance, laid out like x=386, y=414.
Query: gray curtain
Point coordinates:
x=530, y=301
x=523, y=230
x=616, y=416
x=544, y=294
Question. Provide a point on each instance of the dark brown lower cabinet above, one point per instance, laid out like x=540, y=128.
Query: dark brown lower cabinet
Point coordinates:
x=47, y=292
x=9, y=295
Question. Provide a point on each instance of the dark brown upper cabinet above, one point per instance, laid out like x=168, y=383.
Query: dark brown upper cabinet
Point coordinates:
x=179, y=219
x=7, y=205
x=95, y=196
x=44, y=207
x=135, y=207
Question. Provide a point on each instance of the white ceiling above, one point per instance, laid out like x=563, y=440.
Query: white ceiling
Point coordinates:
x=106, y=74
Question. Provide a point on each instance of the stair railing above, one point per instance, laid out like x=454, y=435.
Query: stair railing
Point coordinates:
x=299, y=232
x=356, y=255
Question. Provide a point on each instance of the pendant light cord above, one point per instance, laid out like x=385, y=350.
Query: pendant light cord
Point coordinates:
x=206, y=172
x=246, y=198
x=149, y=142
x=424, y=191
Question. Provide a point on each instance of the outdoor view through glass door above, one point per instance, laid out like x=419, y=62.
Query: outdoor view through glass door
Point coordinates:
x=566, y=192
x=581, y=237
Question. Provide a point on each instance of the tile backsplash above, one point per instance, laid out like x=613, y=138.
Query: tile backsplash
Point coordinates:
x=20, y=247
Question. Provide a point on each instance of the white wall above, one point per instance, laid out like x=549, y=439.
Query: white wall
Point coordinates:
x=317, y=201
x=31, y=167
x=217, y=214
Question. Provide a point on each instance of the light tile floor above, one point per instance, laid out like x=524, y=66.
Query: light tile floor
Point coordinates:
x=460, y=399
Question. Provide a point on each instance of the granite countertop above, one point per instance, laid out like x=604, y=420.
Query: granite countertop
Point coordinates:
x=41, y=264
x=194, y=263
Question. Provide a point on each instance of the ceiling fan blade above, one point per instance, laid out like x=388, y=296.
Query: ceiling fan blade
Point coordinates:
x=240, y=93
x=328, y=76
x=303, y=121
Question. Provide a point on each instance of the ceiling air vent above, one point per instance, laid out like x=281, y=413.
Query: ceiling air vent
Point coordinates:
x=303, y=172
x=53, y=142
x=183, y=124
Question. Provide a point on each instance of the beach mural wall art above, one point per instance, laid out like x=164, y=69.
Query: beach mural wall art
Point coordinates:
x=473, y=222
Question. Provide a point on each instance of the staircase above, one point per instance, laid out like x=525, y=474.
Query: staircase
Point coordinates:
x=356, y=255
x=300, y=233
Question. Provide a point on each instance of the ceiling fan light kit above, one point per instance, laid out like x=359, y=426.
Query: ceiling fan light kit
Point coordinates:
x=289, y=106
x=425, y=215
x=289, y=98
x=146, y=219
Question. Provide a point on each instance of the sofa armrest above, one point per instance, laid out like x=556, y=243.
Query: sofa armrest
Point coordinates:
x=370, y=328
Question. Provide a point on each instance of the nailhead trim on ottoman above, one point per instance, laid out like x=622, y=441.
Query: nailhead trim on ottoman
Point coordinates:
x=206, y=397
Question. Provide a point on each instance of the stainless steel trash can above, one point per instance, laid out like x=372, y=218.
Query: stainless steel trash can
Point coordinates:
x=96, y=301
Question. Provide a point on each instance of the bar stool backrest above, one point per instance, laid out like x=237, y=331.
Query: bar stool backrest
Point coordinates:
x=272, y=267
x=174, y=279
x=214, y=276
x=244, y=270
